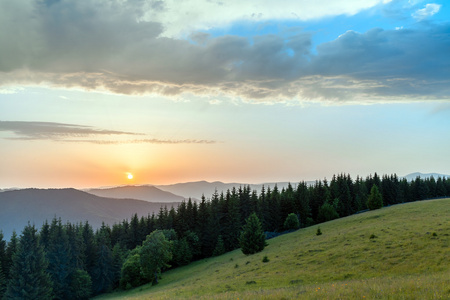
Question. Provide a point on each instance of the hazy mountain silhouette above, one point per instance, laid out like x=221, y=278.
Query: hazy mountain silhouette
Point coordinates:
x=413, y=176
x=37, y=205
x=196, y=189
x=142, y=192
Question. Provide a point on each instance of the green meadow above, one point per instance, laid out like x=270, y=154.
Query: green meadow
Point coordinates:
x=397, y=252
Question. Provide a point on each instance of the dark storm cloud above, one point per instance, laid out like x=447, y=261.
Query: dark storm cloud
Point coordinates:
x=107, y=45
x=80, y=134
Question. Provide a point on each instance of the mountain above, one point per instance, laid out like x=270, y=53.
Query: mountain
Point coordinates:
x=37, y=205
x=143, y=192
x=196, y=189
x=413, y=176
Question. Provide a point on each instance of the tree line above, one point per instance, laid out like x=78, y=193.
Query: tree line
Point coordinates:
x=72, y=261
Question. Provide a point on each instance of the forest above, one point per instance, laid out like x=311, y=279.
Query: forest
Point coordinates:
x=72, y=261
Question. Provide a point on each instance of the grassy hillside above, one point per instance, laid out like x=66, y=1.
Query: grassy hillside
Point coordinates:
x=398, y=252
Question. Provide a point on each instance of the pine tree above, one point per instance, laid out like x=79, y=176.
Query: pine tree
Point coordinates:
x=213, y=226
x=2, y=253
x=2, y=283
x=375, y=199
x=182, y=253
x=274, y=210
x=220, y=247
x=90, y=249
x=9, y=254
x=44, y=235
x=59, y=260
x=29, y=277
x=252, y=239
x=2, y=265
x=119, y=254
x=301, y=203
x=232, y=221
x=103, y=277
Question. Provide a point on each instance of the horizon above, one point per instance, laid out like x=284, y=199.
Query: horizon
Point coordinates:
x=110, y=93
x=419, y=174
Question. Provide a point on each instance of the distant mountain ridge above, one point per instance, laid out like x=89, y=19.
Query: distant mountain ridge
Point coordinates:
x=138, y=192
x=196, y=189
x=19, y=207
x=413, y=176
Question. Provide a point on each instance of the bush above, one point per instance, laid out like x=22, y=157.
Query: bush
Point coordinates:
x=318, y=232
x=265, y=259
x=81, y=284
x=327, y=212
x=131, y=273
x=291, y=222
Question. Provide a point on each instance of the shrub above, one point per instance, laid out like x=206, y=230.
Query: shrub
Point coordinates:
x=318, y=232
x=81, y=284
x=327, y=212
x=131, y=274
x=265, y=259
x=291, y=222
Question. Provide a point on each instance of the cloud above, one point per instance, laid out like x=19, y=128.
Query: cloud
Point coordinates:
x=145, y=141
x=54, y=131
x=80, y=134
x=133, y=47
x=429, y=10
x=182, y=17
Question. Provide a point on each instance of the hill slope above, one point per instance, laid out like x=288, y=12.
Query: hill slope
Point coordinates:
x=145, y=193
x=37, y=205
x=400, y=251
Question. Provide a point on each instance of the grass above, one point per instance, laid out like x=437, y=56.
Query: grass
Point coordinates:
x=397, y=252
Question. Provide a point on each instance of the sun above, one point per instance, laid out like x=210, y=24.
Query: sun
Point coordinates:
x=130, y=176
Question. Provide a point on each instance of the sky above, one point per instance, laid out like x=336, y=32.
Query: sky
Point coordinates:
x=233, y=91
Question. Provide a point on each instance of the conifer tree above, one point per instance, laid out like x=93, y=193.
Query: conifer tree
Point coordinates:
x=220, y=247
x=103, y=276
x=2, y=253
x=252, y=239
x=29, y=277
x=90, y=249
x=301, y=203
x=119, y=254
x=2, y=265
x=9, y=253
x=2, y=283
x=182, y=253
x=375, y=199
x=44, y=235
x=59, y=259
x=232, y=221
